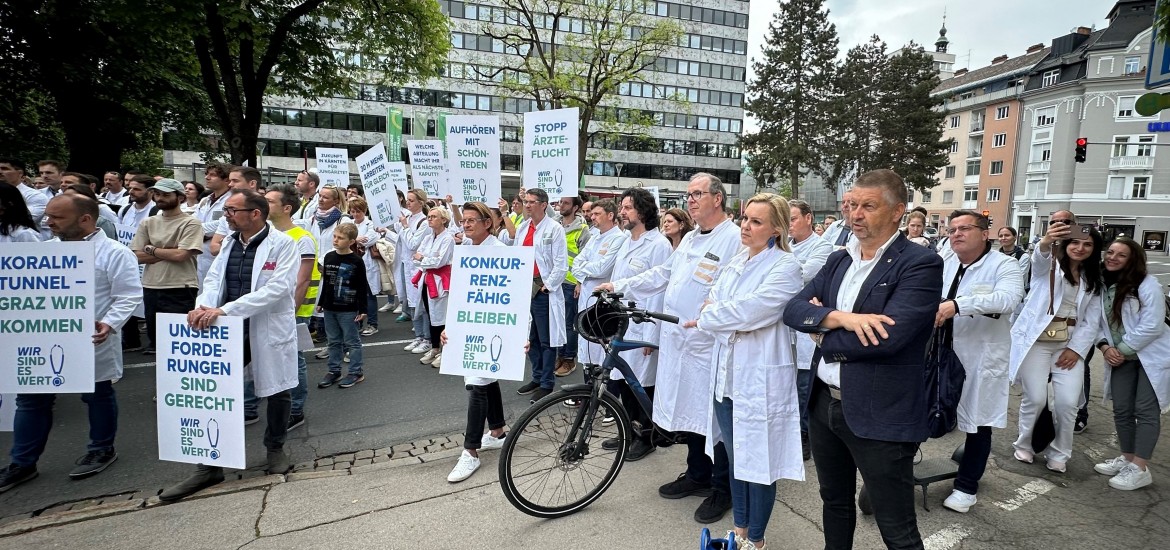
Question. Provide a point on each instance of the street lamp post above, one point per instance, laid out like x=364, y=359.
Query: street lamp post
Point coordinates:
x=618, y=170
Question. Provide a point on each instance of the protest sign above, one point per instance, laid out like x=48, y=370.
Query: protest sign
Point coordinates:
x=473, y=158
x=428, y=165
x=333, y=166
x=199, y=377
x=7, y=411
x=46, y=317
x=654, y=191
x=398, y=175
x=377, y=181
x=125, y=235
x=487, y=312
x=550, y=152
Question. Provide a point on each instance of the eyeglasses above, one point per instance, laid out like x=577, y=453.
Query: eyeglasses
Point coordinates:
x=696, y=195
x=962, y=229
x=229, y=211
x=471, y=220
x=529, y=203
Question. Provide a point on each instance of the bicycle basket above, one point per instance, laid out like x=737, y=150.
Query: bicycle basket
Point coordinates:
x=601, y=321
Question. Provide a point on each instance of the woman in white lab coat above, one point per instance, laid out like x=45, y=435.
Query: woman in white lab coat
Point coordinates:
x=754, y=379
x=432, y=262
x=412, y=225
x=1065, y=291
x=1137, y=354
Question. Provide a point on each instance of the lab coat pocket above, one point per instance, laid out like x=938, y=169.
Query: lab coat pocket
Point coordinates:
x=705, y=272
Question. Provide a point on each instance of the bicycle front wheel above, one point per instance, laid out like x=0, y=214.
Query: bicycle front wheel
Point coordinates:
x=553, y=463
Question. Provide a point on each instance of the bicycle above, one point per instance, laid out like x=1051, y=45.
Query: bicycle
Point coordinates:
x=547, y=441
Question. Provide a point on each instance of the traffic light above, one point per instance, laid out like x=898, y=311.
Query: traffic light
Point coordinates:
x=1082, y=146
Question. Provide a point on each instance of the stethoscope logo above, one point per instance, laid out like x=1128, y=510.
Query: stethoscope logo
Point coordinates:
x=558, y=177
x=213, y=437
x=482, y=189
x=496, y=349
x=57, y=363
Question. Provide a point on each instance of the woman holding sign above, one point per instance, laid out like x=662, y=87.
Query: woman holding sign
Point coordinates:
x=433, y=279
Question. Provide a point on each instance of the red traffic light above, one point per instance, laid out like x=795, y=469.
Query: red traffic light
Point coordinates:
x=1081, y=142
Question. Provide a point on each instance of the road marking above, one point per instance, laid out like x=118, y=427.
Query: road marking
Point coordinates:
x=947, y=538
x=1026, y=494
x=370, y=345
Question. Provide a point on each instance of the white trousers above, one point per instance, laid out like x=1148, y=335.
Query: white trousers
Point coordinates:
x=1068, y=396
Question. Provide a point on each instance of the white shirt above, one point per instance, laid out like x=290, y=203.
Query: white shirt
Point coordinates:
x=855, y=276
x=119, y=198
x=132, y=216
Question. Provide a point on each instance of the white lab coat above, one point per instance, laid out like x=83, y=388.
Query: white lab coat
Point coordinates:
x=1034, y=316
x=812, y=254
x=1145, y=331
x=409, y=239
x=750, y=340
x=833, y=231
x=307, y=214
x=991, y=285
x=36, y=203
x=682, y=402
x=552, y=258
x=268, y=308
x=436, y=251
x=481, y=380
x=117, y=292
x=368, y=230
x=633, y=258
x=209, y=212
x=593, y=266
x=324, y=237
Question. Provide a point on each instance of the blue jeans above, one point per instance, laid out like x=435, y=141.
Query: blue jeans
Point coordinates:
x=343, y=336
x=300, y=392
x=34, y=419
x=540, y=352
x=421, y=321
x=803, y=387
x=751, y=503
x=569, y=350
x=372, y=310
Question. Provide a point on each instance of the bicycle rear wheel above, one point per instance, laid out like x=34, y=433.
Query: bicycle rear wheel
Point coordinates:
x=553, y=463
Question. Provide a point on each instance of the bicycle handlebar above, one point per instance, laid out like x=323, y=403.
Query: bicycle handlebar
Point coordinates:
x=637, y=315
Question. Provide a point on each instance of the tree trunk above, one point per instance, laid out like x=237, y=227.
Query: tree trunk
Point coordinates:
x=794, y=182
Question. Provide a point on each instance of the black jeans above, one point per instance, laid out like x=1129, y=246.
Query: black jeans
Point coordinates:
x=483, y=403
x=634, y=409
x=165, y=300
x=1083, y=413
x=701, y=469
x=975, y=454
x=887, y=467
x=436, y=330
x=131, y=337
x=279, y=409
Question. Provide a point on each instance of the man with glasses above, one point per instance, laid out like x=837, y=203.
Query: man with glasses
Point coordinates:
x=253, y=277
x=547, y=332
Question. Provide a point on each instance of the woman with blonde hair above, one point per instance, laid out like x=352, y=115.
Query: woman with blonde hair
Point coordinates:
x=432, y=260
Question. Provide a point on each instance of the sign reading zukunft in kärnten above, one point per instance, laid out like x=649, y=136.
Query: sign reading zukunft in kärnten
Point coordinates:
x=473, y=156
x=487, y=312
x=376, y=178
x=550, y=151
x=47, y=317
x=428, y=165
x=333, y=166
x=200, y=381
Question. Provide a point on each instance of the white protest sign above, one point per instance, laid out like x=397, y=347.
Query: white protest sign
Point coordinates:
x=46, y=317
x=333, y=166
x=429, y=166
x=199, y=377
x=550, y=152
x=398, y=175
x=7, y=411
x=125, y=235
x=654, y=191
x=377, y=181
x=487, y=312
x=473, y=158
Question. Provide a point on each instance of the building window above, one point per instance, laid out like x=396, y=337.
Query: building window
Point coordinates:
x=1045, y=117
x=927, y=195
x=975, y=148
x=971, y=194
x=1133, y=146
x=1133, y=65
x=1001, y=112
x=954, y=147
x=973, y=167
x=996, y=168
x=955, y=121
x=977, y=121
x=950, y=174
x=948, y=197
x=1000, y=140
x=1050, y=78
x=993, y=195
x=1125, y=106
x=1140, y=186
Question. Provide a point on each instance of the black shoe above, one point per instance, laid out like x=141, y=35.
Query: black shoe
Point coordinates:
x=638, y=450
x=94, y=462
x=1080, y=426
x=330, y=379
x=295, y=421
x=14, y=475
x=351, y=380
x=713, y=508
x=540, y=394
x=528, y=388
x=804, y=448
x=204, y=477
x=662, y=438
x=683, y=487
x=250, y=419
x=277, y=462
x=610, y=444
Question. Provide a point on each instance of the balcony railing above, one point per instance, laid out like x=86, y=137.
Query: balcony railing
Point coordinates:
x=971, y=179
x=1131, y=163
x=1042, y=166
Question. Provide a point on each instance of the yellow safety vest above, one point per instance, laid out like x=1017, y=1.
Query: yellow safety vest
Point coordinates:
x=572, y=239
x=306, y=310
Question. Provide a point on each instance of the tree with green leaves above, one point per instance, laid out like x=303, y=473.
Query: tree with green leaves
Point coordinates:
x=579, y=54
x=306, y=49
x=790, y=94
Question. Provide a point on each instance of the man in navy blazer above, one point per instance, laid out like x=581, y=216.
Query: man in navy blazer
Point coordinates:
x=871, y=311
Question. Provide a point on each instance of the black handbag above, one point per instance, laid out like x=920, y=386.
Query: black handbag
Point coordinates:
x=1044, y=431
x=945, y=376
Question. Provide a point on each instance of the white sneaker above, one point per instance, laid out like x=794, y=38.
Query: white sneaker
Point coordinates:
x=438, y=360
x=959, y=501
x=1131, y=477
x=386, y=307
x=398, y=309
x=1112, y=466
x=428, y=356
x=369, y=331
x=413, y=344
x=424, y=347
x=488, y=442
x=466, y=466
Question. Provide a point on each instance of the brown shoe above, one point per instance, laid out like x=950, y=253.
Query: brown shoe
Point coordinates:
x=565, y=366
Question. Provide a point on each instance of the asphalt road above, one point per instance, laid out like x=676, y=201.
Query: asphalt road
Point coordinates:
x=400, y=401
